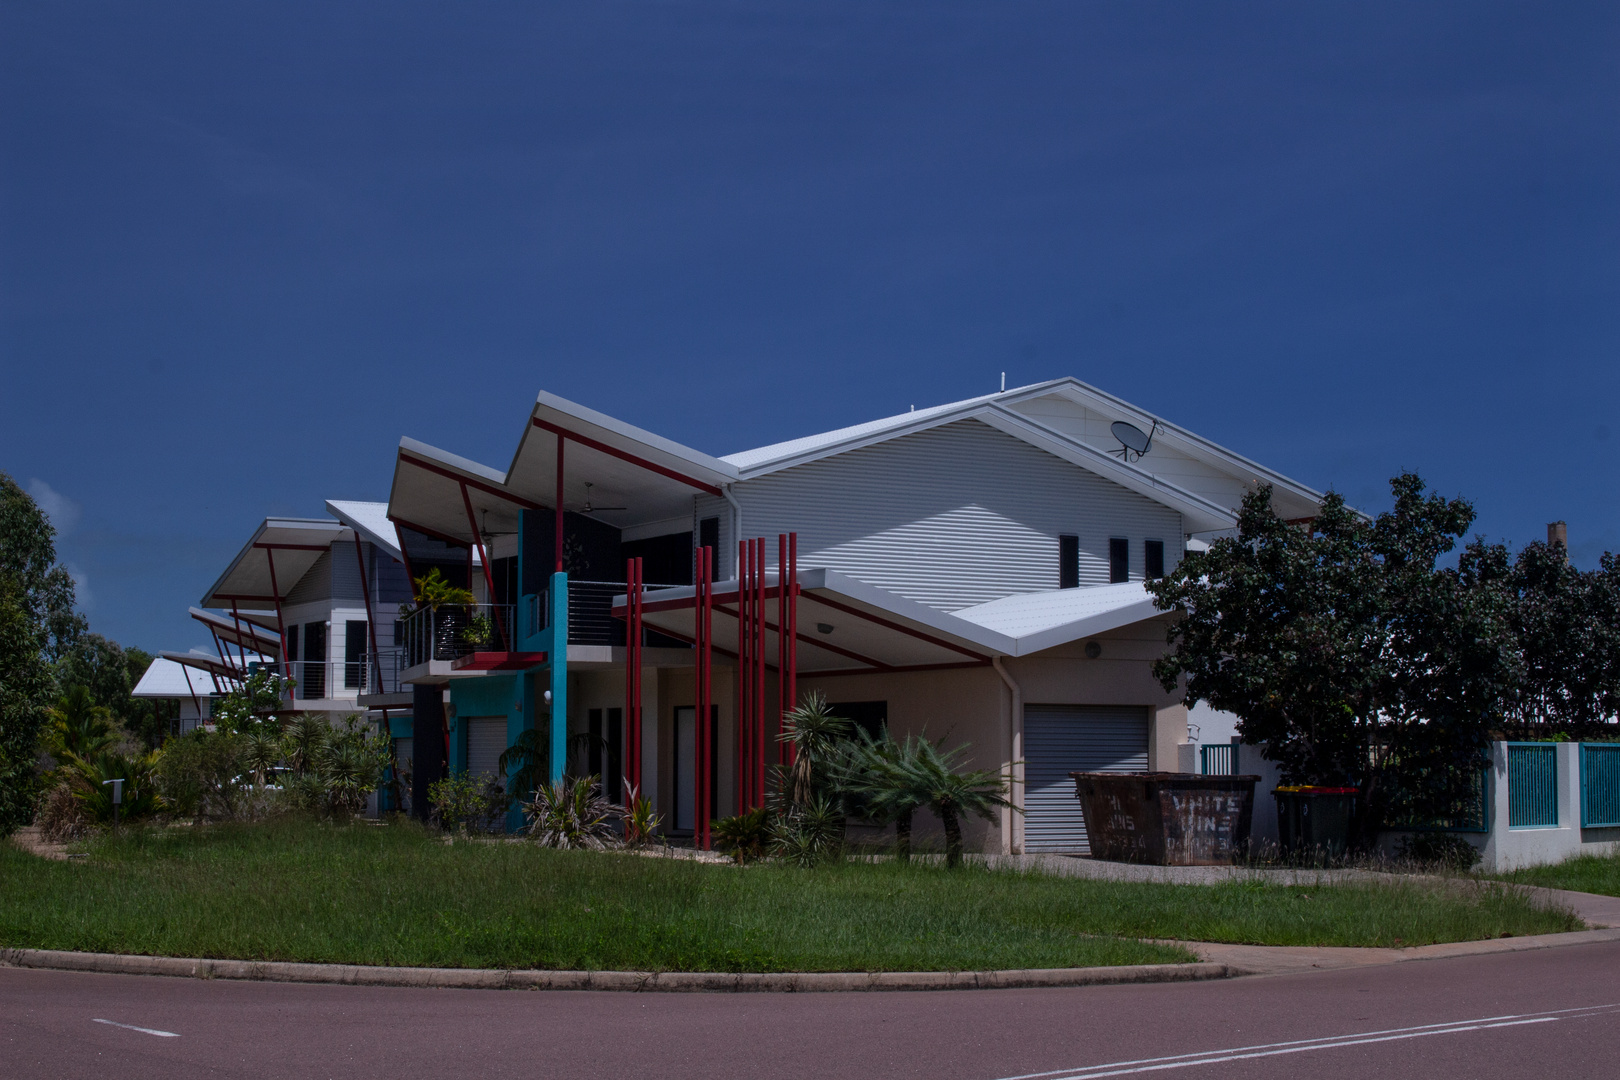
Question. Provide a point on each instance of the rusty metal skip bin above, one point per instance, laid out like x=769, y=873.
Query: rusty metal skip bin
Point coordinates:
x=1166, y=819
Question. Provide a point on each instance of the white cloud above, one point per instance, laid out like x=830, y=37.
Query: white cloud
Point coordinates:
x=63, y=511
x=81, y=588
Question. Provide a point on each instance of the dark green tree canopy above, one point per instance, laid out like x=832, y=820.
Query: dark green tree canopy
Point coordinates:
x=1344, y=648
x=28, y=557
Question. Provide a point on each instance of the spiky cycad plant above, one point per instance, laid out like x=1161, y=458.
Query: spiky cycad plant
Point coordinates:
x=931, y=775
x=572, y=814
x=816, y=733
x=881, y=776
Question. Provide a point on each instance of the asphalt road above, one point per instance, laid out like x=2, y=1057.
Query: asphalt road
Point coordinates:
x=1548, y=1014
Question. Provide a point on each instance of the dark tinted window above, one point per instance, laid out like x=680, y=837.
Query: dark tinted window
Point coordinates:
x=1154, y=550
x=1119, y=560
x=1068, y=562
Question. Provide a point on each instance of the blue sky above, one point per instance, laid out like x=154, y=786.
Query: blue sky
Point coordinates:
x=245, y=248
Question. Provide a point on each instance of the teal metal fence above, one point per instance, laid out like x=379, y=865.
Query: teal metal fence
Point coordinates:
x=1218, y=759
x=1600, y=785
x=1532, y=785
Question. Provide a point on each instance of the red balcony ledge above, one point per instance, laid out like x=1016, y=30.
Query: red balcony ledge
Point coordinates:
x=497, y=661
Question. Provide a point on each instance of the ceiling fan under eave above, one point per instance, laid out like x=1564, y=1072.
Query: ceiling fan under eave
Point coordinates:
x=588, y=508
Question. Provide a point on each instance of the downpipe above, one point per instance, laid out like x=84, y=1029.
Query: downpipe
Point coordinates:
x=1016, y=731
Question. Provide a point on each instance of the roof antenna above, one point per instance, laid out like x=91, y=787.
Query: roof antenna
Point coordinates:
x=1133, y=441
x=1003, y=382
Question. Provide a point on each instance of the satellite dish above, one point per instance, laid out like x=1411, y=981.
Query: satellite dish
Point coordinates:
x=1133, y=441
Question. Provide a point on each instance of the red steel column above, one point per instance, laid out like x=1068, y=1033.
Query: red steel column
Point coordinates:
x=632, y=674
x=784, y=643
x=745, y=783
x=759, y=672
x=706, y=660
x=281, y=627
x=371, y=616
x=489, y=577
x=702, y=736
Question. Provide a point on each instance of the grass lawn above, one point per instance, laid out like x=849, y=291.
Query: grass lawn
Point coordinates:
x=1583, y=873
x=400, y=895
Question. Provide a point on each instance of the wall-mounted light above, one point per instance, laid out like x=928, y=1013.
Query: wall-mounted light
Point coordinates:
x=1093, y=649
x=824, y=627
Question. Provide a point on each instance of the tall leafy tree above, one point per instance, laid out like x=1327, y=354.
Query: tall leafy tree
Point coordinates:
x=37, y=624
x=1567, y=625
x=1346, y=650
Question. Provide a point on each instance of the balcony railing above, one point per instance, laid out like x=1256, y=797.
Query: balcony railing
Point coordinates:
x=590, y=611
x=449, y=633
x=380, y=673
x=317, y=679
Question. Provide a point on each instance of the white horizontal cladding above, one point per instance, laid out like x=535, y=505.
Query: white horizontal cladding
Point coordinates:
x=954, y=516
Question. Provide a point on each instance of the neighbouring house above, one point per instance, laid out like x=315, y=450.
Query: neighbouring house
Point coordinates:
x=973, y=572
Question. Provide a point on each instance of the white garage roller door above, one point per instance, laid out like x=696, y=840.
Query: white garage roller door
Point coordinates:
x=1061, y=739
x=486, y=742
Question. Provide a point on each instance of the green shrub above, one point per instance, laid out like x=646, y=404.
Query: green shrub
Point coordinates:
x=572, y=814
x=200, y=775
x=465, y=803
x=745, y=837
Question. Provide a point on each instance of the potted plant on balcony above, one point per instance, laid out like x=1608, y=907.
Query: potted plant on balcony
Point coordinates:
x=449, y=610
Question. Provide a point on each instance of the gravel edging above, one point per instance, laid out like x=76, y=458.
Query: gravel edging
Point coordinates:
x=692, y=981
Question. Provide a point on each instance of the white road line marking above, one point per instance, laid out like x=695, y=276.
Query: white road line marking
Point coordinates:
x=1327, y=1042
x=146, y=1031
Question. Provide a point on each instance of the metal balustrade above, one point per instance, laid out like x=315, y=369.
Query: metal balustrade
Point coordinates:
x=379, y=673
x=1600, y=785
x=450, y=632
x=1532, y=785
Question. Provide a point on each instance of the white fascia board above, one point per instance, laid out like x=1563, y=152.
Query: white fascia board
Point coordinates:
x=448, y=460
x=1100, y=623
x=1199, y=513
x=924, y=421
x=701, y=466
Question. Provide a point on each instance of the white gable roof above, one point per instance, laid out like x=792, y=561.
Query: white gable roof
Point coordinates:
x=1071, y=419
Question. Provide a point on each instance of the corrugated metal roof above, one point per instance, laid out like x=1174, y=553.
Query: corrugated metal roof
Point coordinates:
x=747, y=459
x=370, y=520
x=1027, y=614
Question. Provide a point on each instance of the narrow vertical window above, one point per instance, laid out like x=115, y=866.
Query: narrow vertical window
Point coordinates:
x=354, y=652
x=1154, y=550
x=1068, y=562
x=1119, y=560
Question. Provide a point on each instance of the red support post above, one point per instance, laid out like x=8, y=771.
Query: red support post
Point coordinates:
x=371, y=623
x=561, y=443
x=281, y=626
x=632, y=673
x=705, y=695
x=784, y=645
x=760, y=750
x=489, y=576
x=745, y=784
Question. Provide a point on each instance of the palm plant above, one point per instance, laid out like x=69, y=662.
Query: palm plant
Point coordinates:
x=303, y=741
x=261, y=752
x=879, y=775
x=80, y=727
x=953, y=795
x=816, y=734
x=572, y=814
x=89, y=776
x=434, y=592
x=525, y=762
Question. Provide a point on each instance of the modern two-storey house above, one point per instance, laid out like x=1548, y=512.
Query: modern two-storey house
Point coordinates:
x=973, y=572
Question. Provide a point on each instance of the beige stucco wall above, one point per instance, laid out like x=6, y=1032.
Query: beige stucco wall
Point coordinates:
x=974, y=706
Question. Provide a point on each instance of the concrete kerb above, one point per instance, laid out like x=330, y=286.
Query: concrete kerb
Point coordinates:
x=678, y=982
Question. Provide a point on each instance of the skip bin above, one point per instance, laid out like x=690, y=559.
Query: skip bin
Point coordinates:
x=1168, y=819
x=1315, y=819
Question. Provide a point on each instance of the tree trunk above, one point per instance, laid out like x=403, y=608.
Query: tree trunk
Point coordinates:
x=953, y=838
x=902, y=837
